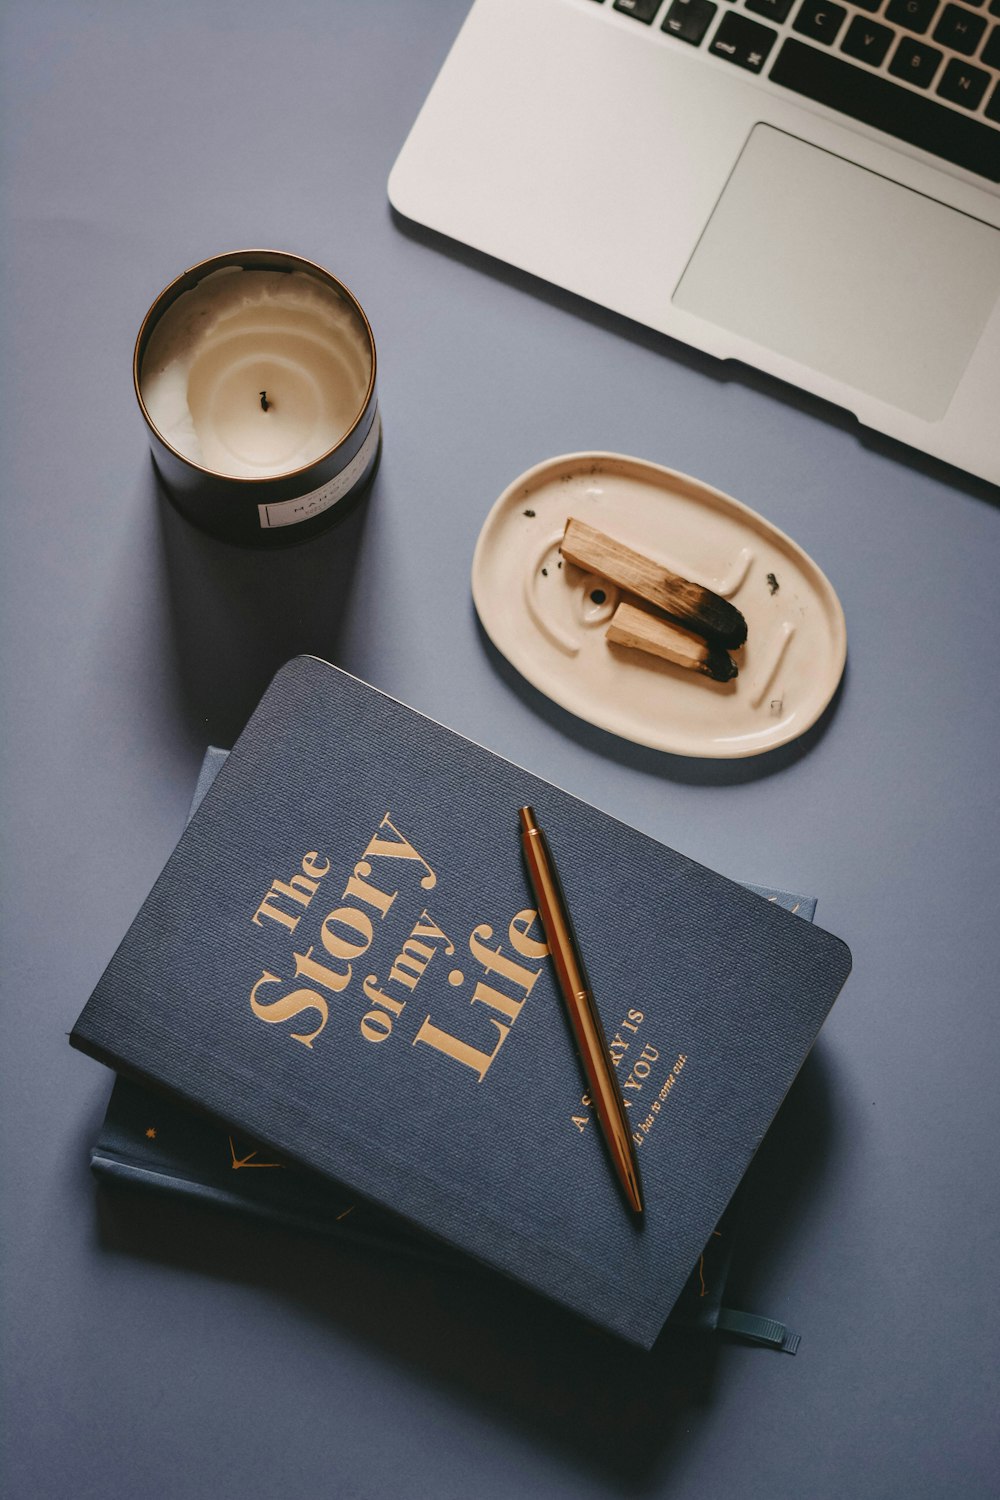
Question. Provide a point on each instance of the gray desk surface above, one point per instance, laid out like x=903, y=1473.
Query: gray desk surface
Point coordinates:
x=160, y=1351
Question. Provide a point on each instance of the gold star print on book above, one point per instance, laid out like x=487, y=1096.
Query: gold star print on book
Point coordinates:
x=248, y=1160
x=151, y=1133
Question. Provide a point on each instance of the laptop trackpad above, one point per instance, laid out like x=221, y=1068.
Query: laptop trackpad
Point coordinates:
x=845, y=271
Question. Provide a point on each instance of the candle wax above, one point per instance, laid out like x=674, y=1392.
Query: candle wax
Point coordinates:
x=237, y=334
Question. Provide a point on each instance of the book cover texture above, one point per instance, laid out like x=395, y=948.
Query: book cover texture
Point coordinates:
x=341, y=960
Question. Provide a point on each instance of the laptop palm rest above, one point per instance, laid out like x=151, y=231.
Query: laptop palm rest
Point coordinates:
x=845, y=272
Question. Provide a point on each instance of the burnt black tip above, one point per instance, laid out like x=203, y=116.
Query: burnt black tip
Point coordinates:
x=739, y=634
x=727, y=625
x=716, y=619
x=720, y=665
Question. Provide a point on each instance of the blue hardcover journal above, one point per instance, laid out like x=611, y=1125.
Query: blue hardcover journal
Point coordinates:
x=148, y=1141
x=341, y=961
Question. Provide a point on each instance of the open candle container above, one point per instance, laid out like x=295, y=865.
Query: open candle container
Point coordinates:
x=255, y=372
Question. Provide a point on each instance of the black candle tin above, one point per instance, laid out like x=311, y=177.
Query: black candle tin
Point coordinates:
x=272, y=510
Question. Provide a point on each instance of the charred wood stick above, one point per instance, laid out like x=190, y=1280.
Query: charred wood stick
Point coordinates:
x=688, y=604
x=631, y=626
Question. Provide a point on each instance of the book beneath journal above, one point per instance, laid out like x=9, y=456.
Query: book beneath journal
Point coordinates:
x=341, y=961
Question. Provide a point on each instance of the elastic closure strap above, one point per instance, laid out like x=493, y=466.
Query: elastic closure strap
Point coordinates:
x=758, y=1330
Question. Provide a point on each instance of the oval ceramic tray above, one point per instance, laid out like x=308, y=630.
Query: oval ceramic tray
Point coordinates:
x=548, y=617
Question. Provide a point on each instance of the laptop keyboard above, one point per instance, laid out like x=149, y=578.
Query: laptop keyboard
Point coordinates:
x=924, y=71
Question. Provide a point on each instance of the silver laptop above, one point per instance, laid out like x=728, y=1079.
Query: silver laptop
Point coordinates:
x=809, y=186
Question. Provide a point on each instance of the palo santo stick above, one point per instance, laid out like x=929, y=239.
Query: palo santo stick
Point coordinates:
x=631, y=626
x=689, y=604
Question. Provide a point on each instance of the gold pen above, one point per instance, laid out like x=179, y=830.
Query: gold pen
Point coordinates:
x=580, y=1006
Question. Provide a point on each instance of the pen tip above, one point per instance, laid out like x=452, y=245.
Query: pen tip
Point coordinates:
x=527, y=816
x=632, y=1186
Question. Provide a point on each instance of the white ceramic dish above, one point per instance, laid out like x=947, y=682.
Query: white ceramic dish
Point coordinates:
x=547, y=617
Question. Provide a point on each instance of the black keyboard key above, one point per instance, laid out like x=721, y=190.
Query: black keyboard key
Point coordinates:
x=771, y=10
x=915, y=61
x=819, y=20
x=828, y=79
x=745, y=43
x=688, y=20
x=995, y=7
x=960, y=29
x=963, y=84
x=992, y=110
x=990, y=54
x=915, y=15
x=639, y=10
x=867, y=40
x=872, y=5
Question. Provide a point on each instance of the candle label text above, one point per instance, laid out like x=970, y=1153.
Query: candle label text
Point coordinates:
x=304, y=507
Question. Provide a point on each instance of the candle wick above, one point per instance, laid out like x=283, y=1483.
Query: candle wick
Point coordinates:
x=264, y=403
